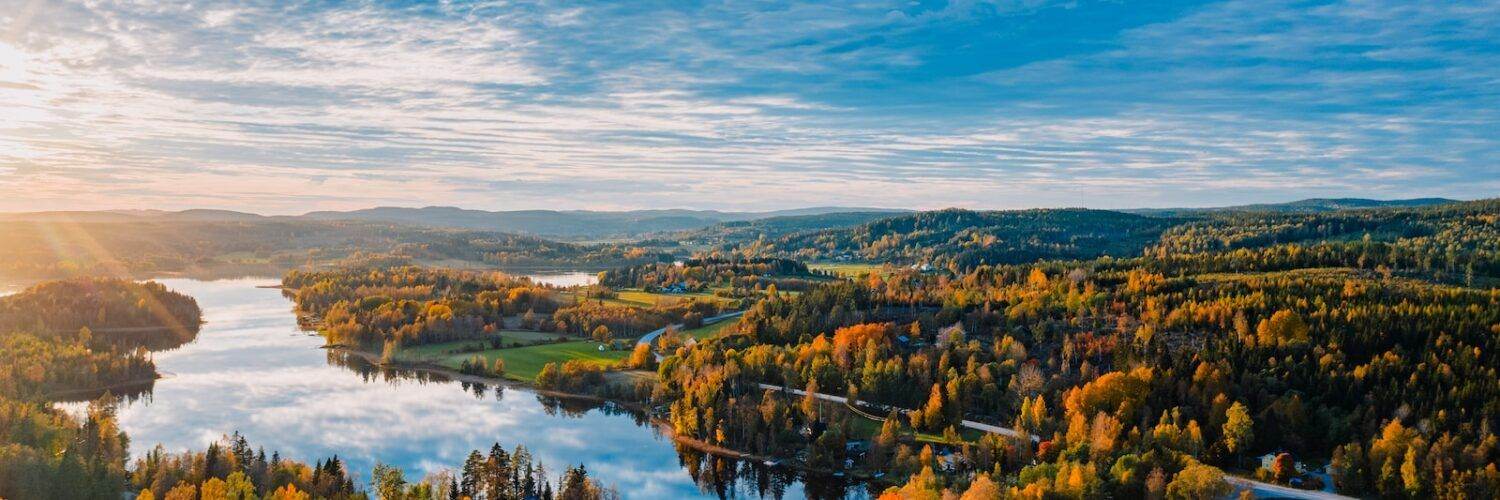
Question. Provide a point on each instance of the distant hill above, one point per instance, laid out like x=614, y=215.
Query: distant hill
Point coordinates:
x=554, y=224
x=572, y=224
x=1310, y=205
x=52, y=245
x=725, y=233
x=106, y=216
x=967, y=238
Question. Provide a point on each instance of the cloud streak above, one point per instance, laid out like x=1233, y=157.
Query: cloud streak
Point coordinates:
x=284, y=108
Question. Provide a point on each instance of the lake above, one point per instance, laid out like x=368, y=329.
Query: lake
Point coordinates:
x=564, y=278
x=252, y=370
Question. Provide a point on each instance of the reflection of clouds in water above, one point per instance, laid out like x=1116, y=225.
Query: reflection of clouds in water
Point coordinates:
x=251, y=370
x=565, y=279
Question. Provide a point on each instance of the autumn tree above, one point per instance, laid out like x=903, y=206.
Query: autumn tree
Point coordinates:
x=1238, y=429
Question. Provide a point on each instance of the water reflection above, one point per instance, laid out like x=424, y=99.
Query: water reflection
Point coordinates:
x=251, y=370
x=564, y=278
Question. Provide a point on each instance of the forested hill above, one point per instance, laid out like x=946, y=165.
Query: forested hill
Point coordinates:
x=70, y=245
x=1310, y=205
x=727, y=234
x=962, y=239
x=1458, y=241
x=121, y=313
x=85, y=335
x=572, y=224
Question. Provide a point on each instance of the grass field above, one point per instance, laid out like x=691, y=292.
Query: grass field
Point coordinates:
x=641, y=298
x=708, y=331
x=849, y=269
x=434, y=353
x=523, y=363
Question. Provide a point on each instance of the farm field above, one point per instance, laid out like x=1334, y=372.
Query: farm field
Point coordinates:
x=523, y=363
x=709, y=331
x=850, y=269
x=641, y=298
x=439, y=352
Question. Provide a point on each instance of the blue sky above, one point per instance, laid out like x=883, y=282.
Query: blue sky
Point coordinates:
x=283, y=107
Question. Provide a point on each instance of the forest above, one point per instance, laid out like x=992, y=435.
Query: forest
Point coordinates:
x=1318, y=336
x=739, y=276
x=80, y=335
x=406, y=306
x=1103, y=355
x=961, y=239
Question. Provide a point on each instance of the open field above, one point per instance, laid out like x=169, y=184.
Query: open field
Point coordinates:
x=641, y=298
x=849, y=269
x=709, y=331
x=438, y=352
x=523, y=363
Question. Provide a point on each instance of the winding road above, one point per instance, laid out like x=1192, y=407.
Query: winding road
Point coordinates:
x=651, y=337
x=1260, y=489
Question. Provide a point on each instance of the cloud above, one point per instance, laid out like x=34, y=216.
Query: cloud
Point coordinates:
x=285, y=108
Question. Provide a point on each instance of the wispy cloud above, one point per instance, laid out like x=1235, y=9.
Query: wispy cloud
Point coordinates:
x=279, y=107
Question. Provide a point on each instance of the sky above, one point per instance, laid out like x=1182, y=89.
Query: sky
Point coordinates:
x=281, y=107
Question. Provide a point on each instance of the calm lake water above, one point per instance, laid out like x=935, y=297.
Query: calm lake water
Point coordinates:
x=252, y=370
x=565, y=278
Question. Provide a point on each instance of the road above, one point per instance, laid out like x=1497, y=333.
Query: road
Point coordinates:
x=982, y=427
x=651, y=337
x=1261, y=490
x=1268, y=490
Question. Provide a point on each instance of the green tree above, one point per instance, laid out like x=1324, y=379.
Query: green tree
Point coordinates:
x=549, y=376
x=1238, y=429
x=1198, y=481
x=389, y=482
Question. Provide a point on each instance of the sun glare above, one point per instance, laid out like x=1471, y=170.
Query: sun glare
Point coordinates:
x=12, y=63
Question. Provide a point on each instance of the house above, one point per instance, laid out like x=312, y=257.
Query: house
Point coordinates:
x=1268, y=462
x=675, y=288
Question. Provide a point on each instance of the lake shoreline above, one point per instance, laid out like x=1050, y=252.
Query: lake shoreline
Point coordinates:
x=664, y=427
x=75, y=395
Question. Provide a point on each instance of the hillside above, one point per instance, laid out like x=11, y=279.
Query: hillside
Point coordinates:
x=729, y=233
x=965, y=238
x=1452, y=242
x=571, y=224
x=49, y=247
x=1310, y=205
